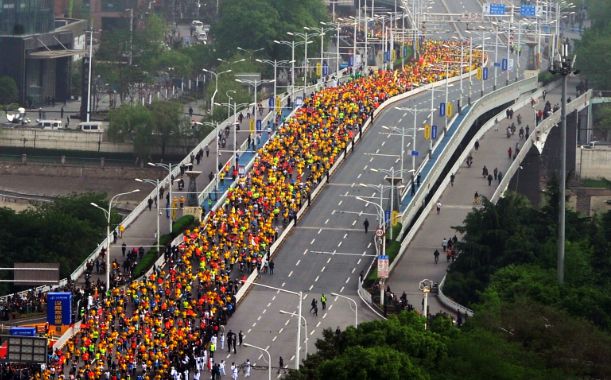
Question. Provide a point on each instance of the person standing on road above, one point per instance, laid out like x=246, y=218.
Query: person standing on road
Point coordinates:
x=436, y=255
x=444, y=244
x=476, y=145
x=485, y=172
x=323, y=301
x=489, y=179
x=438, y=207
x=366, y=225
x=313, y=305
x=452, y=177
x=509, y=151
x=234, y=371
x=247, y=368
x=271, y=266
x=240, y=338
x=280, y=365
x=496, y=173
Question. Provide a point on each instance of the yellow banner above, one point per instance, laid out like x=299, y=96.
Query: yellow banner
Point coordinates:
x=427, y=132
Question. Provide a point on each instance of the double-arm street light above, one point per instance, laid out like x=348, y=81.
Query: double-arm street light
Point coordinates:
x=321, y=32
x=292, y=45
x=306, y=41
x=107, y=213
x=236, y=124
x=251, y=52
x=298, y=294
x=167, y=167
x=216, y=85
x=269, y=358
x=154, y=182
x=275, y=63
x=337, y=28
x=255, y=84
x=391, y=172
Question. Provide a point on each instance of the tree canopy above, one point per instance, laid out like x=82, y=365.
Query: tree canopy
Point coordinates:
x=594, y=47
x=8, y=90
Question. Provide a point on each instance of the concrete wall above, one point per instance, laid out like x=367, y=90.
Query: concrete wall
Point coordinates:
x=53, y=170
x=75, y=140
x=593, y=162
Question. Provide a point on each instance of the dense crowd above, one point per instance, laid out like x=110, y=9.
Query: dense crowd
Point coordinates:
x=156, y=327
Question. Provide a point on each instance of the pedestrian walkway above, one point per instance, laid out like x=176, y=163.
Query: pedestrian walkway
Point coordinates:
x=418, y=262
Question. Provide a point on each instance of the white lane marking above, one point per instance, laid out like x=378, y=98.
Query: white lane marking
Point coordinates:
x=313, y=240
x=260, y=356
x=348, y=279
x=366, y=166
x=306, y=251
x=358, y=262
x=312, y=332
x=345, y=235
x=330, y=306
x=323, y=269
x=327, y=221
x=319, y=231
x=297, y=263
x=324, y=316
x=283, y=284
x=333, y=212
x=291, y=273
x=281, y=330
x=378, y=150
x=341, y=290
x=364, y=252
x=383, y=142
x=328, y=260
x=400, y=120
x=268, y=304
x=311, y=286
x=318, y=324
x=340, y=202
x=259, y=318
x=353, y=184
x=339, y=244
x=353, y=223
x=359, y=176
x=287, y=322
x=353, y=269
x=346, y=194
x=273, y=298
x=248, y=331
x=369, y=245
x=254, y=324
x=316, y=279
x=292, y=357
x=370, y=159
x=273, y=340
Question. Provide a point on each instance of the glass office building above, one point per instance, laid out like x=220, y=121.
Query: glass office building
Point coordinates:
x=22, y=17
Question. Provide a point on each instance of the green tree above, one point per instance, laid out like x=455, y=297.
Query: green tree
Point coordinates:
x=168, y=120
x=135, y=124
x=602, y=119
x=8, y=90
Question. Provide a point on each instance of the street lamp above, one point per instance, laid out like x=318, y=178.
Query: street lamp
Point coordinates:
x=392, y=172
x=269, y=358
x=275, y=64
x=356, y=308
x=425, y=286
x=322, y=42
x=337, y=29
x=298, y=294
x=305, y=324
x=414, y=132
x=107, y=213
x=255, y=83
x=216, y=85
x=401, y=132
x=305, y=71
x=167, y=167
x=250, y=52
x=154, y=182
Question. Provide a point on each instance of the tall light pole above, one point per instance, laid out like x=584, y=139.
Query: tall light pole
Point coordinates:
x=322, y=33
x=154, y=182
x=414, y=111
x=269, y=358
x=564, y=66
x=401, y=132
x=107, y=213
x=337, y=28
x=235, y=126
x=250, y=52
x=255, y=83
x=89, y=75
x=216, y=85
x=356, y=307
x=306, y=41
x=426, y=286
x=305, y=324
x=275, y=64
x=292, y=45
x=298, y=294
x=167, y=167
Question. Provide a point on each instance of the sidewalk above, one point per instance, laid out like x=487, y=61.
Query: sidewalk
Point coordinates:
x=418, y=263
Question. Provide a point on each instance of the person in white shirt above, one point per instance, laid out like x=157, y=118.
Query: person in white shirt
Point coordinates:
x=234, y=371
x=247, y=367
x=222, y=367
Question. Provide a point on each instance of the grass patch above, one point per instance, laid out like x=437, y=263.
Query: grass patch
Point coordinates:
x=181, y=224
x=600, y=183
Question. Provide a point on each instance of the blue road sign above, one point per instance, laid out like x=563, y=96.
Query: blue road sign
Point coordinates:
x=442, y=109
x=415, y=153
x=496, y=64
x=23, y=331
x=434, y=132
x=386, y=56
x=386, y=216
x=270, y=102
x=59, y=308
x=383, y=257
x=325, y=69
x=258, y=126
x=351, y=61
x=485, y=73
x=504, y=64
x=528, y=10
x=497, y=9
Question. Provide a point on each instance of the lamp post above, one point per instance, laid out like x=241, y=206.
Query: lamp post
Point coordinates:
x=337, y=30
x=269, y=358
x=154, y=182
x=275, y=64
x=298, y=294
x=401, y=132
x=229, y=99
x=391, y=179
x=107, y=213
x=356, y=308
x=236, y=125
x=564, y=65
x=426, y=286
x=322, y=33
x=382, y=225
x=415, y=111
x=305, y=324
x=250, y=52
x=305, y=71
x=216, y=85
x=89, y=74
x=255, y=83
x=167, y=167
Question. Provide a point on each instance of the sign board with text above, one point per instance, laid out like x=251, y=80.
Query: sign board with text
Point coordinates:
x=59, y=308
x=383, y=265
x=23, y=349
